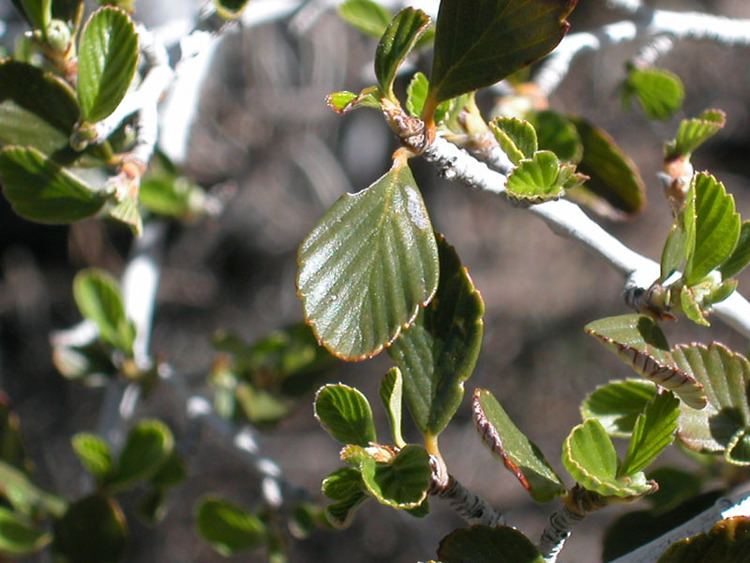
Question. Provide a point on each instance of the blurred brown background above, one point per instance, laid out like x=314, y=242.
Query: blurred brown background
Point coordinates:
x=263, y=125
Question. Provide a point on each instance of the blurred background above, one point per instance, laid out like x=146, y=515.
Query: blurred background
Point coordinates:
x=264, y=130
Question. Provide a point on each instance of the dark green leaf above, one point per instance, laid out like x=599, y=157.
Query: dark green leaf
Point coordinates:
x=483, y=544
x=717, y=228
x=740, y=257
x=368, y=265
x=397, y=42
x=537, y=179
x=615, y=188
x=480, y=43
x=692, y=133
x=438, y=354
x=107, y=59
x=675, y=487
x=516, y=137
x=653, y=431
x=99, y=300
x=40, y=190
x=345, y=414
x=147, y=447
x=401, y=483
x=227, y=527
x=659, y=92
x=519, y=454
x=392, y=395
x=230, y=9
x=19, y=536
x=171, y=472
x=557, y=133
x=26, y=497
x=94, y=454
x=365, y=15
x=93, y=529
x=617, y=404
x=728, y=541
x=639, y=342
x=344, y=486
x=67, y=10
x=738, y=449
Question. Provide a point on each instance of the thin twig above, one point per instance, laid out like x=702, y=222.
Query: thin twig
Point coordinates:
x=554, y=536
x=470, y=506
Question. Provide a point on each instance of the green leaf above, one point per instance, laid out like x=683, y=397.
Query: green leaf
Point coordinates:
x=126, y=212
x=691, y=308
x=483, y=544
x=728, y=540
x=590, y=458
x=260, y=406
x=99, y=300
x=172, y=196
x=401, y=483
x=480, y=43
x=680, y=243
x=738, y=449
x=516, y=137
x=692, y=133
x=653, y=431
x=40, y=190
x=639, y=342
x=397, y=42
x=230, y=9
x=148, y=446
x=345, y=414
x=365, y=15
x=91, y=363
x=107, y=59
x=617, y=404
x=227, y=527
x=519, y=454
x=558, y=134
x=717, y=228
x=740, y=257
x=416, y=96
x=615, y=188
x=19, y=536
x=26, y=497
x=367, y=266
x=94, y=455
x=93, y=529
x=537, y=179
x=659, y=92
x=438, y=354
x=725, y=376
x=344, y=486
x=36, y=108
x=392, y=395
x=39, y=13
x=171, y=472
x=344, y=101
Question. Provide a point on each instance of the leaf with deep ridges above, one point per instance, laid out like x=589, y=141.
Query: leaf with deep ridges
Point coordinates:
x=537, y=179
x=367, y=267
x=659, y=92
x=617, y=404
x=397, y=42
x=345, y=414
x=692, y=133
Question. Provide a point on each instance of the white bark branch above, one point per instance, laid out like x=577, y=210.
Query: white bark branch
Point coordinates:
x=554, y=536
x=470, y=506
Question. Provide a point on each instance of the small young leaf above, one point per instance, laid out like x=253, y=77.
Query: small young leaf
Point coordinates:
x=537, y=179
x=344, y=101
x=617, y=404
x=126, y=212
x=516, y=137
x=438, y=354
x=401, y=483
x=397, y=42
x=416, y=95
x=691, y=308
x=365, y=15
x=367, y=266
x=392, y=395
x=659, y=92
x=39, y=190
x=93, y=529
x=692, y=133
x=740, y=257
x=94, y=454
x=344, y=486
x=26, y=497
x=19, y=537
x=483, y=544
x=639, y=342
x=558, y=134
x=738, y=448
x=480, y=43
x=230, y=9
x=99, y=300
x=345, y=414
x=519, y=454
x=147, y=447
x=228, y=528
x=717, y=228
x=653, y=431
x=728, y=540
x=680, y=243
x=107, y=59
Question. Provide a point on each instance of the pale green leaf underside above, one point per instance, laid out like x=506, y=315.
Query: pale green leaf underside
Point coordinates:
x=516, y=137
x=345, y=414
x=692, y=133
x=659, y=92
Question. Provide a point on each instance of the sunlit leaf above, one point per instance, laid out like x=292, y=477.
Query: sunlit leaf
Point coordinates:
x=416, y=96
x=94, y=454
x=365, y=15
x=659, y=92
x=738, y=448
x=483, y=544
x=516, y=137
x=537, y=179
x=228, y=528
x=653, y=431
x=345, y=414
x=617, y=404
x=392, y=395
x=397, y=42
x=692, y=133
x=680, y=243
x=343, y=102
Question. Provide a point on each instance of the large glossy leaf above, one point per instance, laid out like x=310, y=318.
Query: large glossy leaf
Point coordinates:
x=717, y=228
x=107, y=59
x=39, y=190
x=26, y=497
x=519, y=454
x=344, y=486
x=483, y=544
x=438, y=354
x=692, y=133
x=99, y=299
x=740, y=257
x=36, y=108
x=617, y=404
x=230, y=9
x=728, y=540
x=392, y=395
x=615, y=188
x=653, y=431
x=367, y=16
x=639, y=342
x=402, y=482
x=368, y=265
x=147, y=447
x=227, y=527
x=659, y=92
x=19, y=536
x=558, y=134
x=479, y=43
x=93, y=529
x=725, y=376
x=94, y=454
x=399, y=39
x=590, y=458
x=345, y=414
